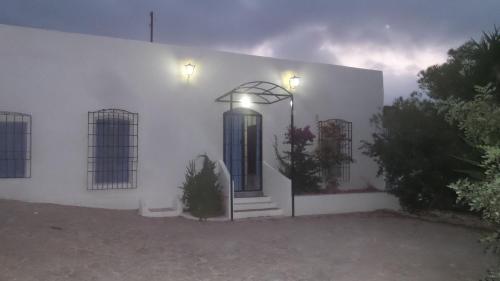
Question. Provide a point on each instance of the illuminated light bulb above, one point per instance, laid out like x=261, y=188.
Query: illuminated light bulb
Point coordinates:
x=246, y=101
x=189, y=69
x=294, y=82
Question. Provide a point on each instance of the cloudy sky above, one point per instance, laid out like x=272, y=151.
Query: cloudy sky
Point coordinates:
x=397, y=36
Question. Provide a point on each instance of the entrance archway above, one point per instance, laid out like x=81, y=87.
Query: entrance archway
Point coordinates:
x=258, y=92
x=243, y=142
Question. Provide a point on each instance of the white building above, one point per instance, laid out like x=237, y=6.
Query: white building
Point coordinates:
x=63, y=83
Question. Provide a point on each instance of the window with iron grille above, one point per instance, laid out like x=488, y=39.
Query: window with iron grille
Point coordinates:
x=112, y=149
x=335, y=149
x=15, y=145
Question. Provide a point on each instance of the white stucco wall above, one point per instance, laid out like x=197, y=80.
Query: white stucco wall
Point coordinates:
x=58, y=77
x=278, y=187
x=344, y=203
x=224, y=179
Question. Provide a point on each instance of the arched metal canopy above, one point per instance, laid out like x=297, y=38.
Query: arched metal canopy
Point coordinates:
x=264, y=93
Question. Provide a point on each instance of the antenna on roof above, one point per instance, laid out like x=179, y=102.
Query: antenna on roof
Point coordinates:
x=151, y=18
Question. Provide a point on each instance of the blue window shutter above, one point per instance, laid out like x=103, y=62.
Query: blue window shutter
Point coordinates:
x=13, y=149
x=112, y=151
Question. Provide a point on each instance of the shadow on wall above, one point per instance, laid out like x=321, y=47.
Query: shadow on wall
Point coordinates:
x=113, y=91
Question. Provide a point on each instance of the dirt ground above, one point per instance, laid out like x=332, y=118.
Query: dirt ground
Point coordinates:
x=50, y=242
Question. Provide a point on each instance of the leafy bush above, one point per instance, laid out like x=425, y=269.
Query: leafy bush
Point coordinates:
x=306, y=165
x=479, y=118
x=415, y=149
x=480, y=121
x=202, y=195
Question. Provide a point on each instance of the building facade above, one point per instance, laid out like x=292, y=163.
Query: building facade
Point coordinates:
x=146, y=113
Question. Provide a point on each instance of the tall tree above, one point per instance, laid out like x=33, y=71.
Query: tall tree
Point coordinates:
x=416, y=148
x=473, y=63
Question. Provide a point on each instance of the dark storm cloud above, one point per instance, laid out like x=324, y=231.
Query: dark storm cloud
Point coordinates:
x=247, y=22
x=398, y=37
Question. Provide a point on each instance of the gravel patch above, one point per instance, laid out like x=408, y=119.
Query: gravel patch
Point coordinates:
x=52, y=242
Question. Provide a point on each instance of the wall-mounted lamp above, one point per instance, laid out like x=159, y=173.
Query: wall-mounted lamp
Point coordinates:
x=294, y=82
x=189, y=70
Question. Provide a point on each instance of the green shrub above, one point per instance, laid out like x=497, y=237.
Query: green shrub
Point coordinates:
x=416, y=151
x=416, y=148
x=202, y=194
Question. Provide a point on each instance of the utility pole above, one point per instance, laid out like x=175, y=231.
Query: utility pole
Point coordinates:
x=151, y=21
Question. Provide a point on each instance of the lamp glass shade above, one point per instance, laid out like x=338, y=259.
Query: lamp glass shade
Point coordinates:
x=294, y=82
x=189, y=69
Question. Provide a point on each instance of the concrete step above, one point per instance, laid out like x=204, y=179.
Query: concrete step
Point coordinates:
x=243, y=194
x=247, y=200
x=253, y=206
x=254, y=213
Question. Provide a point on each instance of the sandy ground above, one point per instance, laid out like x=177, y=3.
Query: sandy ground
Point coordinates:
x=50, y=242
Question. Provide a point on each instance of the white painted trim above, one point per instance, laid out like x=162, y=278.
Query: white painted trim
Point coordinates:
x=278, y=187
x=224, y=181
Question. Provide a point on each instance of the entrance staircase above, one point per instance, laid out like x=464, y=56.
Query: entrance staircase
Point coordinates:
x=255, y=204
x=252, y=207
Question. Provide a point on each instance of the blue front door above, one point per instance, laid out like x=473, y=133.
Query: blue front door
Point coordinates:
x=243, y=142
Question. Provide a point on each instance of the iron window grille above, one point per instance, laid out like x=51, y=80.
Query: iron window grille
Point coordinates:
x=112, y=149
x=335, y=136
x=15, y=145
